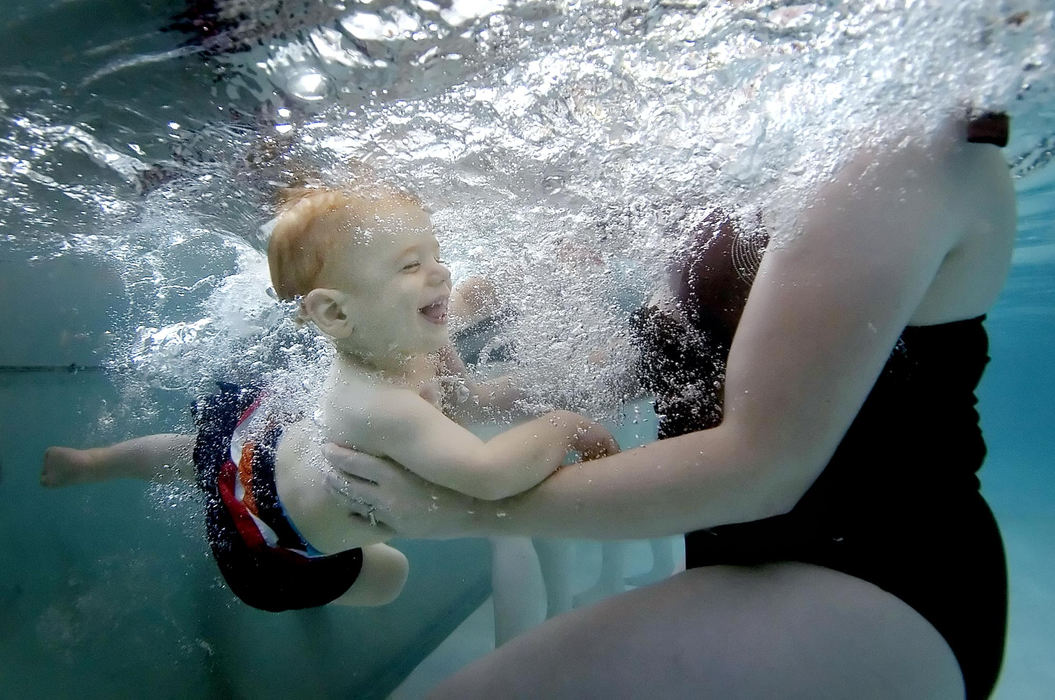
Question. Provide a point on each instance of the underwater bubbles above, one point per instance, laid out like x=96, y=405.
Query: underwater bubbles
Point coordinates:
x=309, y=86
x=566, y=150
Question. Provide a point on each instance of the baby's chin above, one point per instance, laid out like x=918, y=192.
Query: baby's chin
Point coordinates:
x=442, y=341
x=432, y=344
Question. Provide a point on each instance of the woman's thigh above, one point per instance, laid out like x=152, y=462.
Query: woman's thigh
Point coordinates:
x=784, y=630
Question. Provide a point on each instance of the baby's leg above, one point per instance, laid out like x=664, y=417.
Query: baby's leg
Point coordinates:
x=163, y=457
x=517, y=590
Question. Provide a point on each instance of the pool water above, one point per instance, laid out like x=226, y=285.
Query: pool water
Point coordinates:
x=137, y=140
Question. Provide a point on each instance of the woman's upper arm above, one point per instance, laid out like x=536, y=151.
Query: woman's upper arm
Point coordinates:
x=826, y=309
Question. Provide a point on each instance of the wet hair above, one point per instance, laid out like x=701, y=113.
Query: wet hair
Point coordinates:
x=307, y=232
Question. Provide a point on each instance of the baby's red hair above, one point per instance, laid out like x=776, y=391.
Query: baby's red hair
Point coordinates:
x=314, y=222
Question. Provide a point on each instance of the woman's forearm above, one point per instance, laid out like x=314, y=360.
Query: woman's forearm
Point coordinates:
x=666, y=488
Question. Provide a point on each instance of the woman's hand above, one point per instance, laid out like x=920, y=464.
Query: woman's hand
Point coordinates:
x=363, y=531
x=380, y=491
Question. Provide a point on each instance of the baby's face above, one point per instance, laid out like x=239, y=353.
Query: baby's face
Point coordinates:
x=398, y=287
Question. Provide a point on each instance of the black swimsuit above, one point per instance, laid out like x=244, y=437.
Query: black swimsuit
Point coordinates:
x=898, y=505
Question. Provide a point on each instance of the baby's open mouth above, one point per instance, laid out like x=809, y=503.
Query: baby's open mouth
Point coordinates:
x=435, y=312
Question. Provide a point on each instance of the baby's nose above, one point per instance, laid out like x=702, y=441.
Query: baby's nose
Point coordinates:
x=441, y=273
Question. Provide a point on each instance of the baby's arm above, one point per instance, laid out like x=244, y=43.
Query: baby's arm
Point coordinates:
x=381, y=579
x=412, y=432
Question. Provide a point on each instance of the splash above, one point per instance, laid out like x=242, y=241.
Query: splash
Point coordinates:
x=566, y=150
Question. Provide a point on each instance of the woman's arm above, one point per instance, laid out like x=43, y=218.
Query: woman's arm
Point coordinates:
x=825, y=310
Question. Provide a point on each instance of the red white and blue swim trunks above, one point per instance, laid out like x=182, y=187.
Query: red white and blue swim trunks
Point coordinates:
x=263, y=558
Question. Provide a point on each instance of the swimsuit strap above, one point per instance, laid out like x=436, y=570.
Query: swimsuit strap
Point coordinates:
x=989, y=127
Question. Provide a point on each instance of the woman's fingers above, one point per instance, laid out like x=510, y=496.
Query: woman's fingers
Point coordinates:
x=362, y=499
x=355, y=464
x=360, y=496
x=366, y=531
x=380, y=491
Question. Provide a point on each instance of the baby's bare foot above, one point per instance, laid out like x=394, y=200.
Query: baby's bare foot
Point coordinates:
x=64, y=466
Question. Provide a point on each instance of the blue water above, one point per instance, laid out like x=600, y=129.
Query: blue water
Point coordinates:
x=1017, y=412
x=109, y=590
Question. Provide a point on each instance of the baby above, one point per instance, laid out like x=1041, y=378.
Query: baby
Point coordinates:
x=365, y=266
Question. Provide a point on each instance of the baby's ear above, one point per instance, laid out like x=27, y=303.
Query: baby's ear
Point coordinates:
x=325, y=307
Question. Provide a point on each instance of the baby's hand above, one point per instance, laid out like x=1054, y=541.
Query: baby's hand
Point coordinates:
x=593, y=441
